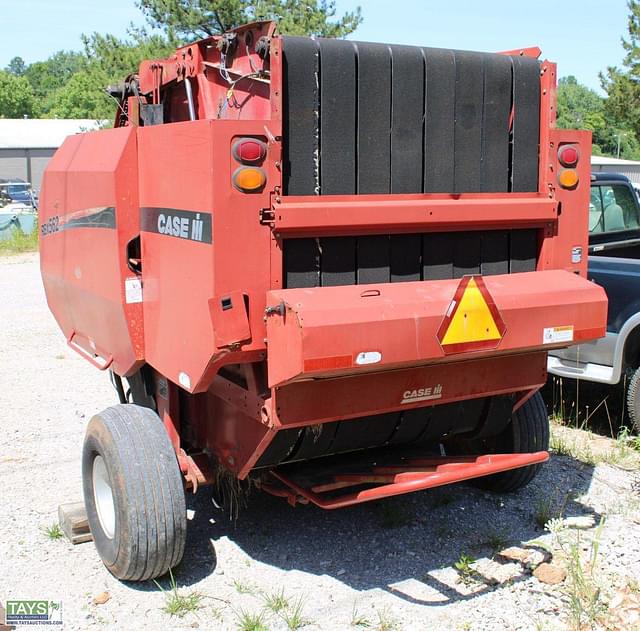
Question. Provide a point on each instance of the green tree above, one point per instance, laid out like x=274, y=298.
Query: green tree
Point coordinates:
x=51, y=74
x=202, y=18
x=580, y=107
x=83, y=96
x=107, y=60
x=16, y=97
x=622, y=107
x=17, y=66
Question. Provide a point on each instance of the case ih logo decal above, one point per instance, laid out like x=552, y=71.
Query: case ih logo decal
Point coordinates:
x=184, y=224
x=422, y=394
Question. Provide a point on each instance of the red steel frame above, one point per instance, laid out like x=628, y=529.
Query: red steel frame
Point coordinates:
x=183, y=334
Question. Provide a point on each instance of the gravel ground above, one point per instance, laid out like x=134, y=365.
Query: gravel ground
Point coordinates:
x=388, y=565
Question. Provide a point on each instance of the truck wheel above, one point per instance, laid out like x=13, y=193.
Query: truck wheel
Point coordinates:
x=633, y=400
x=527, y=432
x=133, y=493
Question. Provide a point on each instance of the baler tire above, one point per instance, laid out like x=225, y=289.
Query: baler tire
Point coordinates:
x=527, y=432
x=144, y=537
x=633, y=400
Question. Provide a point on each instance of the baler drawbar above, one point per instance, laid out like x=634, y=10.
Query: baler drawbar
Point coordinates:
x=325, y=268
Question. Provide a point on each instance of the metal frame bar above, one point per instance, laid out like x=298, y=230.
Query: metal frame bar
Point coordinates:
x=417, y=476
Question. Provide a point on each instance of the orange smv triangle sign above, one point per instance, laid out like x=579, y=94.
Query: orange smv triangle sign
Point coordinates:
x=472, y=321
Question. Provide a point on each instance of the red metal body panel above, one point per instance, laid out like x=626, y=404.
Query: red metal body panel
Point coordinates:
x=323, y=330
x=86, y=266
x=367, y=214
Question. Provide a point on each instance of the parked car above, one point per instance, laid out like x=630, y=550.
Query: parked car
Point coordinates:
x=19, y=192
x=614, y=263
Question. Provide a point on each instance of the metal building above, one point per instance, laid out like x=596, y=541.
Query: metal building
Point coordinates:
x=630, y=168
x=27, y=144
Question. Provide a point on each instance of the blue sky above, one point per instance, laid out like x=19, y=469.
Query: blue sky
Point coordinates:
x=582, y=37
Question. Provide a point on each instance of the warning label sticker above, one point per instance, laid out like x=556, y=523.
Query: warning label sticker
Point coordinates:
x=556, y=334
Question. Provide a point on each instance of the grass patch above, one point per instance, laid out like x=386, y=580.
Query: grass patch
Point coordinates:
x=247, y=621
x=176, y=604
x=585, y=602
x=359, y=620
x=548, y=507
x=53, y=531
x=385, y=621
x=592, y=449
x=497, y=541
x=19, y=242
x=293, y=615
x=243, y=588
x=276, y=602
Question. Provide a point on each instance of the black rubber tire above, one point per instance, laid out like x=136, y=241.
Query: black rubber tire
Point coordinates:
x=527, y=432
x=148, y=493
x=633, y=400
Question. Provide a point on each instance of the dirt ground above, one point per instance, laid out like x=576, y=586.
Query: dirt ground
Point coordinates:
x=424, y=561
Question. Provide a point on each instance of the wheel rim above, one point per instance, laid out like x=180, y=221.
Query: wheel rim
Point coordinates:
x=103, y=497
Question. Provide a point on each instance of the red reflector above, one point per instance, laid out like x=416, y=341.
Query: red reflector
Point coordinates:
x=568, y=155
x=249, y=150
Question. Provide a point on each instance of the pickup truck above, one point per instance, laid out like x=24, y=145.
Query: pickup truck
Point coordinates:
x=614, y=250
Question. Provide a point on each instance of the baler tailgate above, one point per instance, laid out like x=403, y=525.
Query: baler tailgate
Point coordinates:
x=330, y=331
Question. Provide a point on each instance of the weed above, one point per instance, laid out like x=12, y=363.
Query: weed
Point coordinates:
x=358, y=619
x=586, y=605
x=580, y=446
x=53, y=531
x=243, y=588
x=276, y=601
x=177, y=604
x=251, y=621
x=293, y=616
x=385, y=621
x=463, y=566
x=19, y=242
x=496, y=541
x=548, y=507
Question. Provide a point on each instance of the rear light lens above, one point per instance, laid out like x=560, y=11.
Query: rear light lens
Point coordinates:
x=249, y=179
x=568, y=178
x=568, y=155
x=249, y=150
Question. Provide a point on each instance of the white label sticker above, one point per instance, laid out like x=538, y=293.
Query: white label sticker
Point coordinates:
x=368, y=357
x=576, y=254
x=556, y=334
x=184, y=380
x=132, y=290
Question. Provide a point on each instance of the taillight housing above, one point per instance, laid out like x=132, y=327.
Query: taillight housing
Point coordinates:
x=568, y=156
x=250, y=153
x=249, y=150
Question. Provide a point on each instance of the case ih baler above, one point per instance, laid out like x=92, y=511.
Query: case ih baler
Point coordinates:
x=330, y=268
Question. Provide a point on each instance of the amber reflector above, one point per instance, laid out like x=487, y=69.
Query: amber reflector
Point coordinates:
x=249, y=179
x=568, y=178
